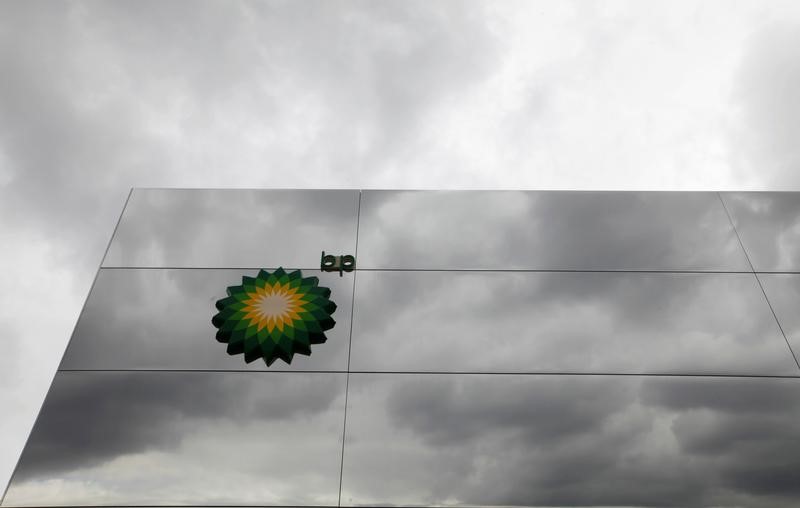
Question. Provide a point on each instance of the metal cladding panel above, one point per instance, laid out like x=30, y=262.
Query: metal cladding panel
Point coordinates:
x=527, y=230
x=609, y=322
x=127, y=438
x=161, y=319
x=233, y=228
x=769, y=226
x=490, y=348
x=491, y=440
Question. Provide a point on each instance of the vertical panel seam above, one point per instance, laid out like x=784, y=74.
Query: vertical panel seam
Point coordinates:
x=349, y=350
x=758, y=280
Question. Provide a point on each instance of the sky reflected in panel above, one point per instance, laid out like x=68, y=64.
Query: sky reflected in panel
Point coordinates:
x=565, y=322
x=185, y=438
x=221, y=228
x=769, y=226
x=783, y=291
x=547, y=231
x=571, y=441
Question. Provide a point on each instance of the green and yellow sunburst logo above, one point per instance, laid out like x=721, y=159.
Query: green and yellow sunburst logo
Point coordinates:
x=274, y=315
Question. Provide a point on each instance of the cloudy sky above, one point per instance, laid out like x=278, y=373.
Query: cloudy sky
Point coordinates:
x=98, y=97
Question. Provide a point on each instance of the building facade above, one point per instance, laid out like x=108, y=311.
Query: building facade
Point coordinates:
x=490, y=348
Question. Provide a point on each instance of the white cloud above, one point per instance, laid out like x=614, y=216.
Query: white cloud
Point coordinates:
x=767, y=92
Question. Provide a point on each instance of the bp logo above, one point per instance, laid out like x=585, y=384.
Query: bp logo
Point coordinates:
x=274, y=315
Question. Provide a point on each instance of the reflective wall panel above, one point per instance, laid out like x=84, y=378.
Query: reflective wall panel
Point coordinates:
x=571, y=441
x=112, y=438
x=161, y=319
x=783, y=291
x=769, y=226
x=547, y=230
x=234, y=228
x=565, y=322
x=508, y=349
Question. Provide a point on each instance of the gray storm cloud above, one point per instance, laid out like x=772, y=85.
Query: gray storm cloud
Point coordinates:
x=92, y=418
x=569, y=442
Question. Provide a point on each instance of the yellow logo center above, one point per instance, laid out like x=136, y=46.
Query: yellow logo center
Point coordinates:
x=273, y=306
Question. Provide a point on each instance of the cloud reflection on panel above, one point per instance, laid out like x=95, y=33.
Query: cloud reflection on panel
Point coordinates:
x=233, y=228
x=176, y=438
x=547, y=230
x=783, y=291
x=769, y=226
x=161, y=319
x=565, y=322
x=571, y=441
